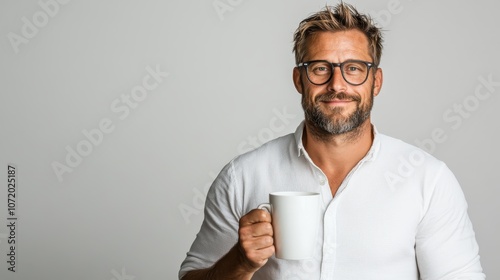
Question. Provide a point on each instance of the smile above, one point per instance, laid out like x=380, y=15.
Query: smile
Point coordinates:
x=338, y=102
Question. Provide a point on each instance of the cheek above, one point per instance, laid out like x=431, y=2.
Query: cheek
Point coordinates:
x=311, y=91
x=302, y=86
x=366, y=92
x=310, y=97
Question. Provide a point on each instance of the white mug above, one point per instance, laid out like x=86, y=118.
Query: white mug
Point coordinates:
x=295, y=220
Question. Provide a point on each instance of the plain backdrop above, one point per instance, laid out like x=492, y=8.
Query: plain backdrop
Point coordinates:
x=118, y=115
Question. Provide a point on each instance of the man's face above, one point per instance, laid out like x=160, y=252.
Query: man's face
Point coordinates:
x=337, y=107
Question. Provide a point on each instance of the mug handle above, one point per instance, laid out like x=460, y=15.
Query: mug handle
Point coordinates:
x=265, y=206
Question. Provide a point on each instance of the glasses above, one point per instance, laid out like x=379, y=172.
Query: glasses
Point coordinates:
x=320, y=72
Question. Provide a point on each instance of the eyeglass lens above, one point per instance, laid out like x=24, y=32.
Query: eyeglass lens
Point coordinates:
x=354, y=72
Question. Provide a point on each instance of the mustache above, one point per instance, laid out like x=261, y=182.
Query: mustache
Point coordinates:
x=337, y=95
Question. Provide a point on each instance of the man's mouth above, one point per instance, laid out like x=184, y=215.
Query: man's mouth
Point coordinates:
x=337, y=98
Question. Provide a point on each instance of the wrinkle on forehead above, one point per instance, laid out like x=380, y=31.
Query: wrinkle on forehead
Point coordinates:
x=338, y=46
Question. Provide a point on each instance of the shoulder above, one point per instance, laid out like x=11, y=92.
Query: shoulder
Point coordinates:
x=392, y=149
x=281, y=148
x=275, y=153
x=404, y=164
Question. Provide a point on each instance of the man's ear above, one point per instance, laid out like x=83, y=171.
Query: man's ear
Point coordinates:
x=377, y=83
x=296, y=80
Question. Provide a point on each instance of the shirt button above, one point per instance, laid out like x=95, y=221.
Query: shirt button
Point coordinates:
x=322, y=181
x=331, y=251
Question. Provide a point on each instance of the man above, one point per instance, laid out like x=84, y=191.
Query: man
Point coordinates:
x=375, y=225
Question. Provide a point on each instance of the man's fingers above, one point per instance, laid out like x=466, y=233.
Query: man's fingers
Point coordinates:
x=256, y=237
x=257, y=243
x=256, y=230
x=259, y=257
x=262, y=249
x=255, y=216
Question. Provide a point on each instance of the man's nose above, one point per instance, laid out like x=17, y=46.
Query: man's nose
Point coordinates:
x=337, y=82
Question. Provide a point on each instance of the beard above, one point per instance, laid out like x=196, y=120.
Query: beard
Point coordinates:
x=334, y=122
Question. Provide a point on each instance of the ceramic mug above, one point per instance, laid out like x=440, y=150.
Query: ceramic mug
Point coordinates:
x=295, y=220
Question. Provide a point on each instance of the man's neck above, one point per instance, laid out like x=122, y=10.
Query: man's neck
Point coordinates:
x=339, y=153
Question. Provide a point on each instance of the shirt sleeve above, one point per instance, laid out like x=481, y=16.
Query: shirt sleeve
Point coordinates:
x=445, y=246
x=219, y=230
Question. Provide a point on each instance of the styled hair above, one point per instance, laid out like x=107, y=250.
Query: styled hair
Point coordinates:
x=342, y=17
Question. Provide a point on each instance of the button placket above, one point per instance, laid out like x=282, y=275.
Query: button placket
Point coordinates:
x=329, y=240
x=322, y=180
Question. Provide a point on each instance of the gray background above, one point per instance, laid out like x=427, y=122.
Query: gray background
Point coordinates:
x=131, y=208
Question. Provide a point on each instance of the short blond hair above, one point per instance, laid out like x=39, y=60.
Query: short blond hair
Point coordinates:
x=338, y=18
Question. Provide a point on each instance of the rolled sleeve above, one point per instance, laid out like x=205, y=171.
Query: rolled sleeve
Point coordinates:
x=219, y=230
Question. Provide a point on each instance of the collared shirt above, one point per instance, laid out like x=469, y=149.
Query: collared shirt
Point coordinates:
x=400, y=214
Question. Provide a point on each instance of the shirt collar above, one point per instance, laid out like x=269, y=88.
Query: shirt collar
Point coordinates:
x=370, y=156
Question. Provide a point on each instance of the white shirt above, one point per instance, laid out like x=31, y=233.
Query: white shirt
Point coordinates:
x=398, y=215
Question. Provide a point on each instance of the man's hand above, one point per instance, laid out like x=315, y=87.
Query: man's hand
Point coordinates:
x=256, y=241
x=255, y=245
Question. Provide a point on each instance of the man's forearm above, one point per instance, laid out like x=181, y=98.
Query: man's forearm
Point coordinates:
x=229, y=267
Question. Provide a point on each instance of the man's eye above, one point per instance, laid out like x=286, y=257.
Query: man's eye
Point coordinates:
x=321, y=70
x=352, y=68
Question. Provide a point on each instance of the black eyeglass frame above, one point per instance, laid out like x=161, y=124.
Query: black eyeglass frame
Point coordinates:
x=369, y=65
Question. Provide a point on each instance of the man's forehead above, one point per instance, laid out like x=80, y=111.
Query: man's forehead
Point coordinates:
x=351, y=40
